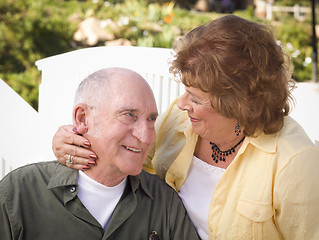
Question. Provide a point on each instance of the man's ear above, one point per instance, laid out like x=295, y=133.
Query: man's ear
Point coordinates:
x=81, y=117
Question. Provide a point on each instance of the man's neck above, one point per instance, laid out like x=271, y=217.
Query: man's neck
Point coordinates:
x=107, y=178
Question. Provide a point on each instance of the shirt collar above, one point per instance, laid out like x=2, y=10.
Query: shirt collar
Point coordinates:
x=266, y=143
x=140, y=180
x=63, y=176
x=66, y=178
x=182, y=119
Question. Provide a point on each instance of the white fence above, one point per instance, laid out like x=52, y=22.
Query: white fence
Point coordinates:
x=300, y=13
x=26, y=135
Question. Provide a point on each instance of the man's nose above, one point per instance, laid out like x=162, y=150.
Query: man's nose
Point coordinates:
x=144, y=133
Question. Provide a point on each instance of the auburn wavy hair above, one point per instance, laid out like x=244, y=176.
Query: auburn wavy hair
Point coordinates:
x=241, y=66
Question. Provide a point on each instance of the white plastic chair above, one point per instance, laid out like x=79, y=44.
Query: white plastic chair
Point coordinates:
x=20, y=141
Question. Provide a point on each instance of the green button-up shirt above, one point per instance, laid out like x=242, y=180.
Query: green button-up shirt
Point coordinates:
x=39, y=201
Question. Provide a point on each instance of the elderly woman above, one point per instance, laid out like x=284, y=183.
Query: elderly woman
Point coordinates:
x=243, y=168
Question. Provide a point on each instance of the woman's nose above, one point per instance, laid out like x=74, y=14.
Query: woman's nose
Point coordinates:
x=182, y=102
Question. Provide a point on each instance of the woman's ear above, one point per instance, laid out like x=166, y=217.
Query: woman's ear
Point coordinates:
x=81, y=118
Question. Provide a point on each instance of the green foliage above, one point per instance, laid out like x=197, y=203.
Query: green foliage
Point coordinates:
x=23, y=84
x=296, y=39
x=186, y=4
x=31, y=30
x=250, y=11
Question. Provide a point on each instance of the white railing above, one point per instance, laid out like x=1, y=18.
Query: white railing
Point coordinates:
x=26, y=135
x=299, y=12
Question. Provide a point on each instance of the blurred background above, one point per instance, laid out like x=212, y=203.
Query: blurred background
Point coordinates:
x=32, y=30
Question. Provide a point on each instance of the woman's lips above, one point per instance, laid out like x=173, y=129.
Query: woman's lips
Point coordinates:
x=193, y=119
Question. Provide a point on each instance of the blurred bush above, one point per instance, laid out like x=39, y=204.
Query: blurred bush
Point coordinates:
x=31, y=30
x=296, y=39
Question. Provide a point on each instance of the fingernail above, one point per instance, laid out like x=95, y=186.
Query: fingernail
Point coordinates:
x=86, y=167
x=75, y=130
x=92, y=162
x=93, y=156
x=87, y=143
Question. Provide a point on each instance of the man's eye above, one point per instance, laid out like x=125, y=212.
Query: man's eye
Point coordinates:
x=127, y=118
x=130, y=116
x=152, y=119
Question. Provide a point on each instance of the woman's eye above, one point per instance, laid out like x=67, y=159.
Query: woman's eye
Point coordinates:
x=194, y=101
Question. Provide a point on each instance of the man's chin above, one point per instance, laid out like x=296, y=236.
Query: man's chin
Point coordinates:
x=136, y=173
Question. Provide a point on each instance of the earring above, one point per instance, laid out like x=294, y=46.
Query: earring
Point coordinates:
x=237, y=129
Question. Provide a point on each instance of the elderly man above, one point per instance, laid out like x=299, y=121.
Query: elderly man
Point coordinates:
x=115, y=109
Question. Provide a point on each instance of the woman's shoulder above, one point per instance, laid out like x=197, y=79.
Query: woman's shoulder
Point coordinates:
x=293, y=134
x=290, y=142
x=293, y=142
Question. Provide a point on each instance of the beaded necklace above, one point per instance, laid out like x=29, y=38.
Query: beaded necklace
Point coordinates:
x=219, y=155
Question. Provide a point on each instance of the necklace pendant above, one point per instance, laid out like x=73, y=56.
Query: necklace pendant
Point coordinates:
x=220, y=155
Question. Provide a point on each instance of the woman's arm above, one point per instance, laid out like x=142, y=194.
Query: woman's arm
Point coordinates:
x=68, y=141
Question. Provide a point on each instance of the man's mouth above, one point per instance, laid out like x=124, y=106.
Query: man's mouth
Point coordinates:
x=133, y=149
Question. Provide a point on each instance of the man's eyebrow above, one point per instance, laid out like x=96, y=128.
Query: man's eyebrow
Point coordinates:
x=128, y=110
x=134, y=110
x=154, y=115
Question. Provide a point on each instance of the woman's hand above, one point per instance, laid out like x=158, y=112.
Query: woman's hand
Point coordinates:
x=67, y=141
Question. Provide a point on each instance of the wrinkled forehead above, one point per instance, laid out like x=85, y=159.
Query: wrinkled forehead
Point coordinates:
x=130, y=91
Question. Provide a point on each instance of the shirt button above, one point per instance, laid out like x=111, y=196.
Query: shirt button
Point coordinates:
x=72, y=189
x=256, y=213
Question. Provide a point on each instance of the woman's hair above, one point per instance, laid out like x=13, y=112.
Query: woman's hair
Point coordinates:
x=241, y=66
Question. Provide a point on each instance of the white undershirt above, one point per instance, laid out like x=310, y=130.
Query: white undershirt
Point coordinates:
x=197, y=191
x=100, y=200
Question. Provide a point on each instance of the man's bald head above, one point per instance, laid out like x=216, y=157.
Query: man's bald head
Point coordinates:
x=100, y=84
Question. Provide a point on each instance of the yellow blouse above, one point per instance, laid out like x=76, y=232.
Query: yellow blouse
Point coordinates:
x=269, y=191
